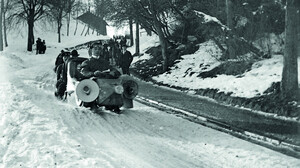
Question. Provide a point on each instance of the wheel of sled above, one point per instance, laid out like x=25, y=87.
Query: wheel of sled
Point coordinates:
x=86, y=92
x=130, y=89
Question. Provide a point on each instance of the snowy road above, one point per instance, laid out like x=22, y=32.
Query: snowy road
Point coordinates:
x=36, y=130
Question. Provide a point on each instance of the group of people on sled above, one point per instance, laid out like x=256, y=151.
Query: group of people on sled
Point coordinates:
x=105, y=61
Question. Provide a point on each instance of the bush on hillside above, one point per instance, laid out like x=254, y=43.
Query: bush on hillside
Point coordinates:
x=153, y=67
x=228, y=68
x=147, y=69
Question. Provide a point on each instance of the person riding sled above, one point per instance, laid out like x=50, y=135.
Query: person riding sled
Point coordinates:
x=97, y=65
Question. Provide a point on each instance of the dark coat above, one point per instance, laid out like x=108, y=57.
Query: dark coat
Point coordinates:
x=93, y=64
x=38, y=46
x=123, y=42
x=59, y=60
x=125, y=59
x=61, y=84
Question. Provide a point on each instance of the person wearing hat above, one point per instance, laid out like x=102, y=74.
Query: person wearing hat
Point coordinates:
x=96, y=64
x=74, y=54
x=125, y=60
x=59, y=60
x=61, y=73
x=90, y=47
x=39, y=44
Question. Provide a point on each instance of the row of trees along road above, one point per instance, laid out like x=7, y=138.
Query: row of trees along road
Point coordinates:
x=245, y=22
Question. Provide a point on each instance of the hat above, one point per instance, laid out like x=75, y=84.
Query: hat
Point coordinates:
x=66, y=54
x=74, y=53
x=96, y=43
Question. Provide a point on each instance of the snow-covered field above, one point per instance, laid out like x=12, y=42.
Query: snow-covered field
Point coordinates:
x=37, y=130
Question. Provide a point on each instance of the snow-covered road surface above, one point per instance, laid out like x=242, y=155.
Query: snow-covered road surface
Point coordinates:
x=36, y=130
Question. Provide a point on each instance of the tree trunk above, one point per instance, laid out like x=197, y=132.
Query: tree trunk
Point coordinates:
x=87, y=31
x=59, y=31
x=4, y=31
x=1, y=25
x=4, y=24
x=30, y=40
x=137, y=39
x=83, y=30
x=76, y=24
x=298, y=30
x=163, y=44
x=230, y=41
x=289, y=82
x=229, y=13
x=68, y=23
x=131, y=32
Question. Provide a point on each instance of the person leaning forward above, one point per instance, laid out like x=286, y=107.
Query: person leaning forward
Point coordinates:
x=61, y=73
x=96, y=64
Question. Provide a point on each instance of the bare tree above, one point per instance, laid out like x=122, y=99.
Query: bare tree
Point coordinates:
x=137, y=39
x=57, y=12
x=102, y=8
x=7, y=7
x=152, y=15
x=31, y=11
x=69, y=7
x=289, y=82
x=131, y=31
x=78, y=8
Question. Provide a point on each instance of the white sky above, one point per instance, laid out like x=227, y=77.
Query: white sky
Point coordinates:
x=36, y=130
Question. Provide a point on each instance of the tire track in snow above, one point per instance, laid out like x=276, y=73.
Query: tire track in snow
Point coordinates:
x=61, y=147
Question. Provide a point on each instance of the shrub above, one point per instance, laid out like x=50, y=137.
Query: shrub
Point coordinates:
x=228, y=68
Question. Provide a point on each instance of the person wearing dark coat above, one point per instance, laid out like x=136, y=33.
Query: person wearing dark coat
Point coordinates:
x=39, y=44
x=61, y=84
x=96, y=64
x=114, y=52
x=125, y=60
x=123, y=41
x=59, y=60
x=43, y=47
x=74, y=54
x=106, y=55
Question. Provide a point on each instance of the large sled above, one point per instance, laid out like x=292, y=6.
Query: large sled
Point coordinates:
x=99, y=91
